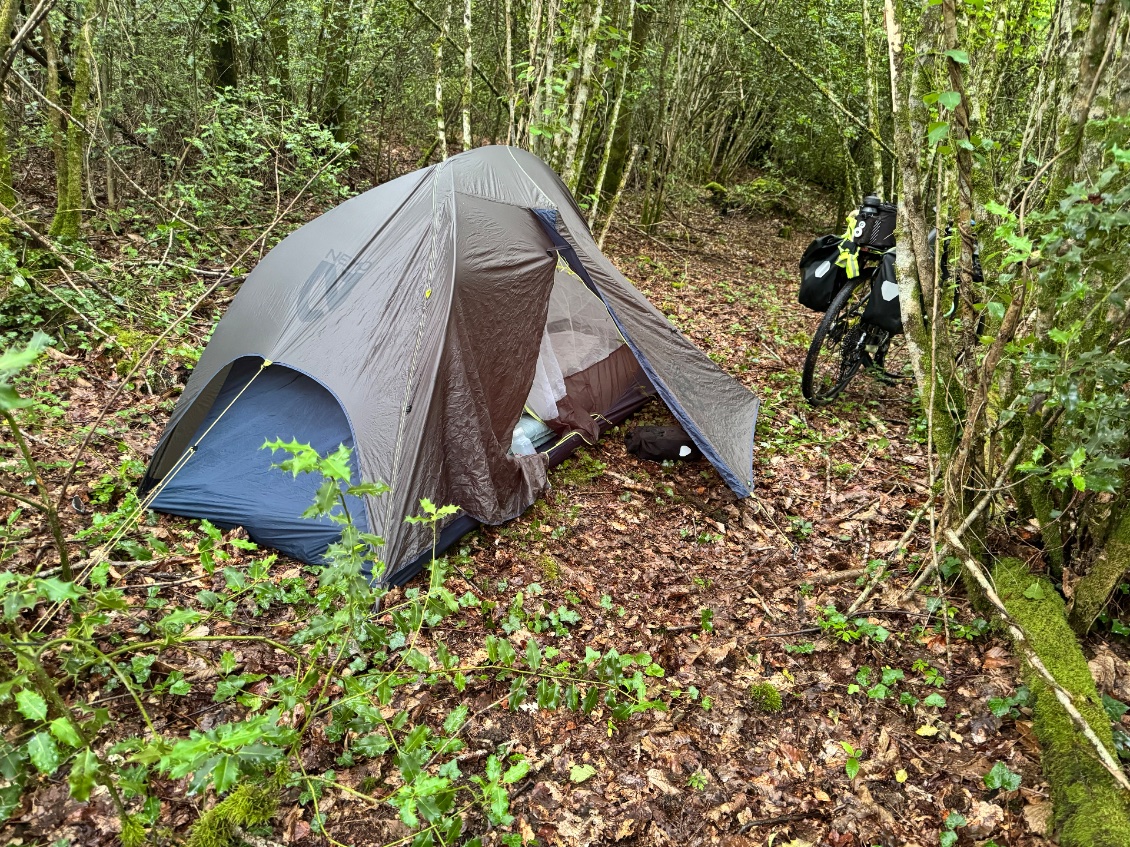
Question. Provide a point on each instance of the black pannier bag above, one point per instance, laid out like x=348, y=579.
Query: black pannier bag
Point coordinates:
x=883, y=308
x=661, y=443
x=875, y=224
x=820, y=277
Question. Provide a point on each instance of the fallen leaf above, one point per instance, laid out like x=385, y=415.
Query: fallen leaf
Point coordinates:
x=580, y=773
x=1038, y=816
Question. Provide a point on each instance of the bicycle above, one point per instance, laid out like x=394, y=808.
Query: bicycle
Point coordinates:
x=844, y=343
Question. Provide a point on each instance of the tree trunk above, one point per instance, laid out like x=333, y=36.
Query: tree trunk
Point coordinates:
x=335, y=105
x=441, y=128
x=8, y=9
x=279, y=37
x=574, y=164
x=627, y=174
x=872, y=104
x=610, y=133
x=468, y=68
x=511, y=90
x=69, y=205
x=55, y=118
x=224, y=69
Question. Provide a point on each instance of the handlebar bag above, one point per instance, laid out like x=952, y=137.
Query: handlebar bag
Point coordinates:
x=875, y=226
x=820, y=277
x=883, y=308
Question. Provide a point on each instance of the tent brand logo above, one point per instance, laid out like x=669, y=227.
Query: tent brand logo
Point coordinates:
x=327, y=285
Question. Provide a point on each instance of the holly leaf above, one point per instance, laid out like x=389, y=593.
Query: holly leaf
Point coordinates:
x=62, y=729
x=44, y=753
x=83, y=773
x=31, y=705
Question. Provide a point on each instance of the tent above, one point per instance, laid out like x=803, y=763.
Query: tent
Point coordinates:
x=460, y=330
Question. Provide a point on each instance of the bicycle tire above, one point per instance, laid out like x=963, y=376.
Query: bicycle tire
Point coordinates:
x=844, y=334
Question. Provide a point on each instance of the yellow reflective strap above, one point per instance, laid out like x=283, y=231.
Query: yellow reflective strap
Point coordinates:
x=848, y=260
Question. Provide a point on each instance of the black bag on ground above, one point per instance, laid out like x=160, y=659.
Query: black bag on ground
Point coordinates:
x=875, y=224
x=820, y=276
x=661, y=443
x=883, y=309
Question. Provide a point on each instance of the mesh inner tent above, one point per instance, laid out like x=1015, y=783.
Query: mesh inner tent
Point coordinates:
x=579, y=333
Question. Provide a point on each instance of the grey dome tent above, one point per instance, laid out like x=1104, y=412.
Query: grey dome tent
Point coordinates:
x=460, y=330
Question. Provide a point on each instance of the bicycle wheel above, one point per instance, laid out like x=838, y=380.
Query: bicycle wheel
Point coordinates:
x=835, y=355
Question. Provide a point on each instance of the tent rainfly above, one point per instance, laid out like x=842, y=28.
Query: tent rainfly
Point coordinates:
x=459, y=329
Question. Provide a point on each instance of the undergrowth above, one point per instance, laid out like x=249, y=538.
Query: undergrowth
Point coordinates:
x=346, y=673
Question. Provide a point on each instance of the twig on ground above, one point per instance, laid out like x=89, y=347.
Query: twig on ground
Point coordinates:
x=895, y=559
x=836, y=577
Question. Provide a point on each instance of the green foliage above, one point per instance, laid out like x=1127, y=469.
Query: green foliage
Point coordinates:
x=249, y=142
x=12, y=361
x=1000, y=777
x=838, y=625
x=349, y=671
x=851, y=766
x=1075, y=375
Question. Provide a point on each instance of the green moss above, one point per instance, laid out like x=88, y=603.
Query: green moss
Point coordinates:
x=765, y=697
x=1093, y=591
x=550, y=569
x=246, y=806
x=1089, y=808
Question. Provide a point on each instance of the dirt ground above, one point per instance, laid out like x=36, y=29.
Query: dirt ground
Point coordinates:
x=724, y=595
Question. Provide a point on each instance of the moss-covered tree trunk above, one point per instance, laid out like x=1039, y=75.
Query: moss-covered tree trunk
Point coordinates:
x=1090, y=808
x=55, y=118
x=69, y=205
x=8, y=9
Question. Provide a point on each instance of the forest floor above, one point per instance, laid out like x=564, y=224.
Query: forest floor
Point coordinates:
x=884, y=728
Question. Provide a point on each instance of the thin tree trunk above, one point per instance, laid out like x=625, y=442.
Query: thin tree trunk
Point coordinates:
x=1085, y=84
x=626, y=61
x=872, y=105
x=441, y=130
x=468, y=70
x=54, y=118
x=69, y=206
x=279, y=37
x=8, y=9
x=555, y=109
x=572, y=169
x=224, y=70
x=616, y=197
x=511, y=91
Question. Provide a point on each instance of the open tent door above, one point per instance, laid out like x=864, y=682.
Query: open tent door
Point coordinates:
x=586, y=375
x=717, y=412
